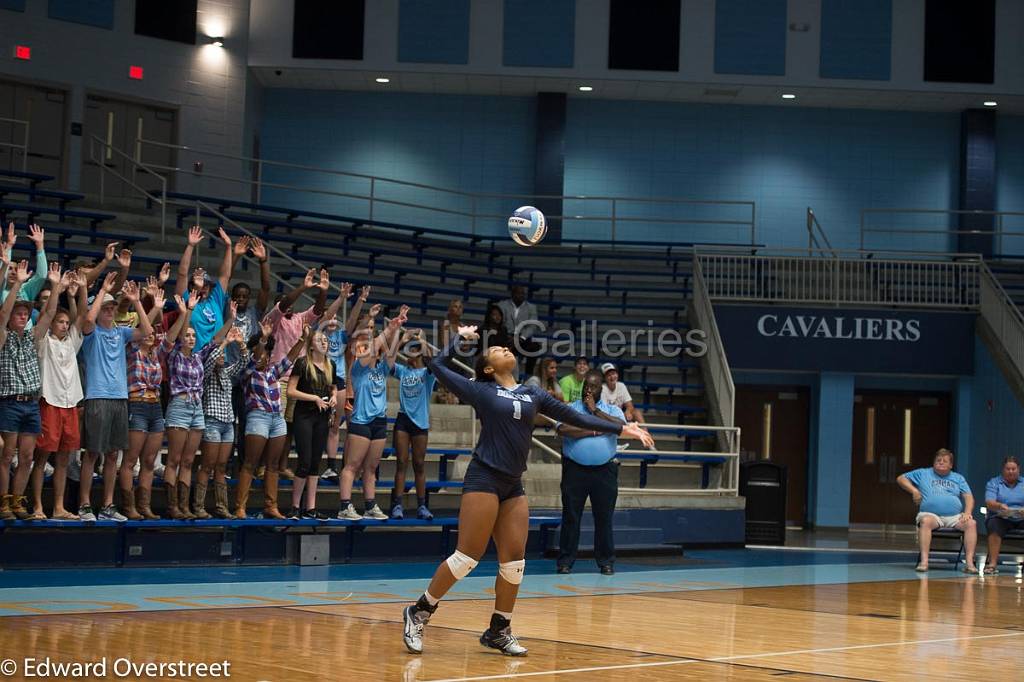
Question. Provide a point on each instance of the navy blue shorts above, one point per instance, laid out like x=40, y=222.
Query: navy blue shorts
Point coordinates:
x=481, y=478
x=375, y=430
x=999, y=526
x=403, y=423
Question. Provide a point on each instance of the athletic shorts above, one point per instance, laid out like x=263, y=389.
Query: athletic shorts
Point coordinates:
x=481, y=478
x=375, y=430
x=944, y=521
x=997, y=525
x=404, y=423
x=340, y=384
x=106, y=425
x=60, y=428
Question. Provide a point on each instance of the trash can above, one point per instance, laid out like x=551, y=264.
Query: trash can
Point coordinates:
x=763, y=484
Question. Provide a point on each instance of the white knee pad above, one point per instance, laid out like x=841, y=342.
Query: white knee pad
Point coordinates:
x=460, y=564
x=512, y=571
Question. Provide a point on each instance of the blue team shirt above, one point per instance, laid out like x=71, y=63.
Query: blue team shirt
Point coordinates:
x=940, y=495
x=106, y=365
x=336, y=344
x=208, y=315
x=506, y=414
x=996, y=489
x=592, y=450
x=370, y=384
x=415, y=387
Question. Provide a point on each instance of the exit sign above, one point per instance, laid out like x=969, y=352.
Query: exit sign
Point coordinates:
x=22, y=52
x=135, y=72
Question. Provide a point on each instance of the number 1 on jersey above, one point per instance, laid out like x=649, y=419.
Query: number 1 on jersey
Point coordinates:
x=517, y=410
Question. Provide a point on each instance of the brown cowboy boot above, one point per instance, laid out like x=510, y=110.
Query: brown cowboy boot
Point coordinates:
x=242, y=493
x=128, y=505
x=199, y=501
x=220, y=494
x=270, y=510
x=5, y=508
x=142, y=503
x=172, y=502
x=18, y=507
x=183, y=495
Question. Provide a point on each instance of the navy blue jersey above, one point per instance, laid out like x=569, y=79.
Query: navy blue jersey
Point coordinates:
x=506, y=415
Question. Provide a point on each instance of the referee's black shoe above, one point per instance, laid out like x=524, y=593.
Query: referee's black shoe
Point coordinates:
x=608, y=570
x=564, y=570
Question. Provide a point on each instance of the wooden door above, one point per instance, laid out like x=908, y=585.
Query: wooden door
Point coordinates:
x=775, y=425
x=893, y=433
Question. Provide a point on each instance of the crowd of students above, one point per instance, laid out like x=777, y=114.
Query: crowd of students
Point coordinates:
x=99, y=370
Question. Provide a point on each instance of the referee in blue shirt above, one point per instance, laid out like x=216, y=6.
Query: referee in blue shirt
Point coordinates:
x=589, y=469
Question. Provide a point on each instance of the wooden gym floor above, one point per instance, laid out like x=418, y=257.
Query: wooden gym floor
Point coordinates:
x=736, y=615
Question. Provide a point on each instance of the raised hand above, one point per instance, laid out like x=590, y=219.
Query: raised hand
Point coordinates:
x=468, y=332
x=198, y=278
x=325, y=280
x=346, y=289
x=266, y=329
x=375, y=310
x=235, y=335
x=131, y=291
x=110, y=252
x=193, y=299
x=364, y=293
x=53, y=275
x=180, y=302
x=158, y=297
x=108, y=283
x=152, y=284
x=21, y=271
x=124, y=259
x=224, y=236
x=311, y=279
x=11, y=236
x=306, y=331
x=258, y=249
x=232, y=311
x=35, y=235
x=195, y=235
x=165, y=273
x=66, y=281
x=241, y=246
x=633, y=430
x=75, y=280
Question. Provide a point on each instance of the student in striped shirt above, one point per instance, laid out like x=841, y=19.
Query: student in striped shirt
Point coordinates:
x=265, y=428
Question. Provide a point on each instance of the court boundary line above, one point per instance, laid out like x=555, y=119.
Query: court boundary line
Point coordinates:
x=727, y=659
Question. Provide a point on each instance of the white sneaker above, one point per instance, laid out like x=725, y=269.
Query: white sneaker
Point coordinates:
x=413, y=635
x=375, y=512
x=85, y=513
x=329, y=474
x=48, y=469
x=349, y=513
x=158, y=471
x=110, y=513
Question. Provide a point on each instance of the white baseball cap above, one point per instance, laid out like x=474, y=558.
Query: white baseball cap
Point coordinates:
x=607, y=367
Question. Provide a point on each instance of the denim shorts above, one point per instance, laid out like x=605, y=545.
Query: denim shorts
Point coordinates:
x=218, y=431
x=265, y=424
x=183, y=413
x=143, y=416
x=20, y=416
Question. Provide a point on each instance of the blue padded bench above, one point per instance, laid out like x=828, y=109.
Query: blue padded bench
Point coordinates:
x=65, y=232
x=33, y=210
x=33, y=193
x=32, y=178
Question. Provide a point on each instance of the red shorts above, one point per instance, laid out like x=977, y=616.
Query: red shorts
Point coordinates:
x=60, y=428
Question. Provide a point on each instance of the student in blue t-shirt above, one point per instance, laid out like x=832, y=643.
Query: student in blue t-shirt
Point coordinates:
x=412, y=425
x=208, y=315
x=945, y=501
x=337, y=342
x=1004, y=498
x=368, y=425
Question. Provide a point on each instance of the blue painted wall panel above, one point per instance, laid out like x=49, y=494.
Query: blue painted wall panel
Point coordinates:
x=13, y=5
x=856, y=39
x=478, y=144
x=995, y=422
x=750, y=37
x=99, y=13
x=539, y=33
x=1010, y=179
x=831, y=470
x=433, y=31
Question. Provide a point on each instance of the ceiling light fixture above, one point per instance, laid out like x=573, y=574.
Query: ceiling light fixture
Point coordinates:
x=218, y=41
x=788, y=95
x=990, y=103
x=586, y=88
x=383, y=80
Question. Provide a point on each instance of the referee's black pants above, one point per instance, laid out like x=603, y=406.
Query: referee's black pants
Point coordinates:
x=601, y=484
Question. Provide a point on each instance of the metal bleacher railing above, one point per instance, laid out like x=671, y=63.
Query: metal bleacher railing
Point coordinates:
x=1003, y=318
x=17, y=147
x=367, y=195
x=933, y=229
x=817, y=241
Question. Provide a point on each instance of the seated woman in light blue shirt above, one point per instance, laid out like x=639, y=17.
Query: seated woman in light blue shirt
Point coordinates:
x=1004, y=498
x=938, y=491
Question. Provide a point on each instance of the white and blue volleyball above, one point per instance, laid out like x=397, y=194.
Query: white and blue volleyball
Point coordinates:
x=527, y=226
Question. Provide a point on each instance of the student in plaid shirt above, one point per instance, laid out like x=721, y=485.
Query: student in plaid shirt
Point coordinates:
x=265, y=428
x=185, y=421
x=20, y=384
x=220, y=422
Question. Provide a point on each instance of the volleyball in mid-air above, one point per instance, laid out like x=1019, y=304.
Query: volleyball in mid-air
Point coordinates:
x=527, y=226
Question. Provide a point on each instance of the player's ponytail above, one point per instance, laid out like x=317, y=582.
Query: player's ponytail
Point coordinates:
x=481, y=367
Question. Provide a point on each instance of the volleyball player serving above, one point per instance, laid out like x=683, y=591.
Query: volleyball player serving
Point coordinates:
x=493, y=500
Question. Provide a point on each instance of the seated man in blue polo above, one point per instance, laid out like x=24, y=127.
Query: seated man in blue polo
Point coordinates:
x=945, y=501
x=1004, y=498
x=589, y=470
